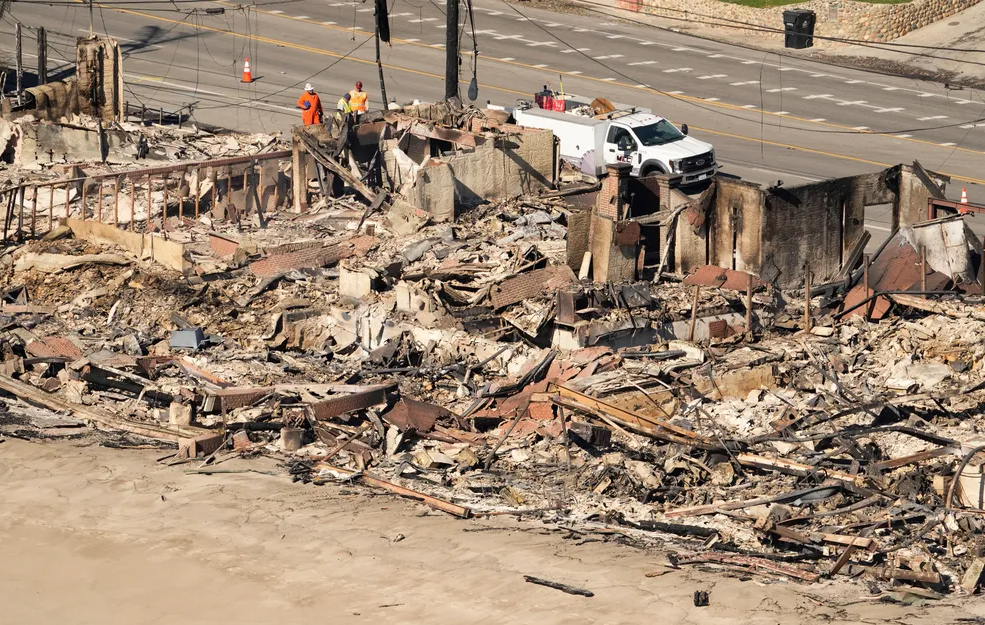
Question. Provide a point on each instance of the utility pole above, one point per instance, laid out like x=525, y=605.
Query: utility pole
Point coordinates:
x=18, y=39
x=90, y=19
x=379, y=66
x=451, y=49
x=42, y=56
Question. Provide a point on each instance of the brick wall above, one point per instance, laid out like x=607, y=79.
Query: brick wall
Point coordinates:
x=610, y=204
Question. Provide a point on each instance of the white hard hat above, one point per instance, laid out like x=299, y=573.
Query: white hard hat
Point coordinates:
x=308, y=87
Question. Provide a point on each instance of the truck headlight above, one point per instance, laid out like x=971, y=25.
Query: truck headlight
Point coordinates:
x=675, y=166
x=713, y=161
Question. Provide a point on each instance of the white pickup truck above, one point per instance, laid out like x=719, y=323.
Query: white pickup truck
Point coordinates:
x=651, y=144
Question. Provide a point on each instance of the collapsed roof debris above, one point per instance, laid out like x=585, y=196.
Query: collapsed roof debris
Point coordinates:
x=426, y=303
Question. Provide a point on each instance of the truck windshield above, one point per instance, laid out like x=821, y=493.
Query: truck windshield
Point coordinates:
x=658, y=134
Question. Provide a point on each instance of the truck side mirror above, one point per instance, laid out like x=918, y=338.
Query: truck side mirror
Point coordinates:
x=684, y=128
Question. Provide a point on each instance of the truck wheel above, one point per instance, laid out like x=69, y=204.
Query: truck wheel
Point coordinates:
x=651, y=170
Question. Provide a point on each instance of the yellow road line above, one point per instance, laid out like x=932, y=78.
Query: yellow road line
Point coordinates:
x=328, y=53
x=685, y=98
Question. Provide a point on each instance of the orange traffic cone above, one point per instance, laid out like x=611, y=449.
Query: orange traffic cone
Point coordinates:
x=964, y=195
x=247, y=75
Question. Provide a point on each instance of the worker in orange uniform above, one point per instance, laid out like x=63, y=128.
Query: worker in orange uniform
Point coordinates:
x=310, y=105
x=357, y=99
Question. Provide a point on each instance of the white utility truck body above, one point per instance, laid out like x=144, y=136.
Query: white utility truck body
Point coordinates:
x=633, y=135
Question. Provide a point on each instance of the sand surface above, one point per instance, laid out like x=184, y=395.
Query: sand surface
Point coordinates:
x=94, y=535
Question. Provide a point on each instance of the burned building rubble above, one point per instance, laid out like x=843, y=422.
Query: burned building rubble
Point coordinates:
x=427, y=302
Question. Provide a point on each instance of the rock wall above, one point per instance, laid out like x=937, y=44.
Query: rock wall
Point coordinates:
x=844, y=19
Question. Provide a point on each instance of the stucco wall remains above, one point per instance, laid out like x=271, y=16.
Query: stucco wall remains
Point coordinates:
x=818, y=223
x=504, y=167
x=777, y=232
x=99, y=72
x=45, y=142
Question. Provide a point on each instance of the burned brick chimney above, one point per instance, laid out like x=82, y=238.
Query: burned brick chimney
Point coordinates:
x=614, y=241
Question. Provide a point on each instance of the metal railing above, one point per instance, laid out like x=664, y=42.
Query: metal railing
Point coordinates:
x=29, y=209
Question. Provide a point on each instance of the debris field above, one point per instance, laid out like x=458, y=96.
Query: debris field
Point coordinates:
x=830, y=431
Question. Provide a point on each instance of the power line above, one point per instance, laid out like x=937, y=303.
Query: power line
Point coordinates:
x=724, y=113
x=750, y=26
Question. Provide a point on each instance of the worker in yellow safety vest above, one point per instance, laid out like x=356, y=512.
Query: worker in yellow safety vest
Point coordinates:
x=357, y=98
x=343, y=109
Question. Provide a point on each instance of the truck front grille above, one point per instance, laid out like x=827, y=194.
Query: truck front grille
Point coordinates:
x=697, y=163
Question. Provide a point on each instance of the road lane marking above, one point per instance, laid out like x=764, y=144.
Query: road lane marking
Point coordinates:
x=367, y=33
x=930, y=117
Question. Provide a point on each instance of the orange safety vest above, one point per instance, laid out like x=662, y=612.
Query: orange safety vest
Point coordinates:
x=357, y=100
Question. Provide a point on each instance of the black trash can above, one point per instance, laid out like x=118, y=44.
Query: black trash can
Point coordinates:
x=798, y=27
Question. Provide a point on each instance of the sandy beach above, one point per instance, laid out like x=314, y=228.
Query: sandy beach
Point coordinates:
x=96, y=535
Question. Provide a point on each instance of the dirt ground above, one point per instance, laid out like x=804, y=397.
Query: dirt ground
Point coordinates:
x=90, y=534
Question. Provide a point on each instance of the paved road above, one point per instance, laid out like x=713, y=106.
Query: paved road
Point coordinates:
x=769, y=117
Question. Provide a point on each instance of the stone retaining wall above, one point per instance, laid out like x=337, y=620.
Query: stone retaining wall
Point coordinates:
x=844, y=19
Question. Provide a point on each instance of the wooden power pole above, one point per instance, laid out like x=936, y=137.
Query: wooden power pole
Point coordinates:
x=18, y=41
x=42, y=56
x=451, y=49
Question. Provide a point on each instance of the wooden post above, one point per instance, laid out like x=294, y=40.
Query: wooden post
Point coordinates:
x=694, y=313
x=116, y=202
x=99, y=201
x=84, y=185
x=749, y=306
x=981, y=267
x=198, y=190
x=923, y=270
x=215, y=187
x=68, y=196
x=34, y=210
x=20, y=212
x=51, y=207
x=133, y=203
x=164, y=209
x=807, y=298
x=865, y=273
x=866, y=260
x=149, y=202
x=261, y=209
